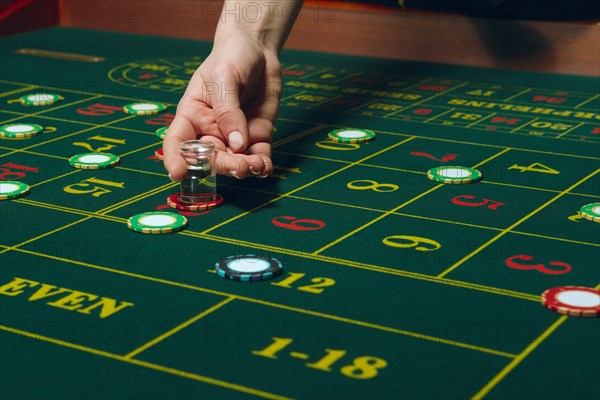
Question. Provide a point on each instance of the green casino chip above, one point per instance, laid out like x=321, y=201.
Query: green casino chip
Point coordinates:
x=20, y=131
x=162, y=132
x=157, y=223
x=351, y=135
x=12, y=189
x=454, y=175
x=144, y=108
x=40, y=99
x=94, y=160
x=591, y=212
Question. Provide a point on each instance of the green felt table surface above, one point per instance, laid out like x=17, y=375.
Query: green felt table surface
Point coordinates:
x=394, y=286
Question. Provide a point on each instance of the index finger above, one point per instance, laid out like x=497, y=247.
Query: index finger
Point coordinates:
x=180, y=130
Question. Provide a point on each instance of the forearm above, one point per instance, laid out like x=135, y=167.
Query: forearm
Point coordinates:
x=267, y=23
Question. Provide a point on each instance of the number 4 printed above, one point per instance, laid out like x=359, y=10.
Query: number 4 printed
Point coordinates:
x=535, y=167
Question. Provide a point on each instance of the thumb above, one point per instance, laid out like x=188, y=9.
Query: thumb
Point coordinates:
x=229, y=116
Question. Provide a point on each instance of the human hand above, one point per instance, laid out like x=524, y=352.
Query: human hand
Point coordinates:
x=232, y=101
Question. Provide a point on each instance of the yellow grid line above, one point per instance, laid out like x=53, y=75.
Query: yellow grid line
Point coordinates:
x=570, y=130
x=42, y=111
x=72, y=121
x=298, y=135
x=333, y=260
x=91, y=128
x=528, y=350
x=509, y=98
x=439, y=115
x=507, y=230
x=360, y=228
x=306, y=185
x=102, y=211
x=83, y=92
x=417, y=136
x=434, y=96
x=133, y=199
x=484, y=182
x=146, y=364
x=178, y=328
x=17, y=91
x=73, y=172
x=481, y=120
x=434, y=139
x=338, y=126
x=282, y=306
x=523, y=355
x=587, y=101
x=524, y=125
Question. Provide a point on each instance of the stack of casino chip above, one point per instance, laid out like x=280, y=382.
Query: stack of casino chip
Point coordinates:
x=94, y=160
x=591, y=212
x=576, y=301
x=157, y=223
x=162, y=132
x=454, y=175
x=351, y=135
x=20, y=130
x=174, y=201
x=249, y=268
x=144, y=108
x=40, y=99
x=12, y=190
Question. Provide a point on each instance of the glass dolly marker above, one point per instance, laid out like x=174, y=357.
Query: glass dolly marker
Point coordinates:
x=200, y=182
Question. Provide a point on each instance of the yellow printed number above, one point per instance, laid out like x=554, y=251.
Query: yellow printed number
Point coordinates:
x=107, y=146
x=535, y=167
x=405, y=242
x=363, y=367
x=95, y=187
x=576, y=217
x=317, y=287
x=366, y=367
x=329, y=145
x=366, y=184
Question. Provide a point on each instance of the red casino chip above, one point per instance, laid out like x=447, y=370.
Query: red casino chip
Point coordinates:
x=159, y=154
x=577, y=301
x=175, y=202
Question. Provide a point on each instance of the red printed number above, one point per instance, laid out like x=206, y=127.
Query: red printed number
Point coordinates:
x=11, y=171
x=491, y=204
x=562, y=268
x=98, y=110
x=298, y=224
x=446, y=158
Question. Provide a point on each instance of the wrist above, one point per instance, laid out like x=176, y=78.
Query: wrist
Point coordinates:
x=265, y=24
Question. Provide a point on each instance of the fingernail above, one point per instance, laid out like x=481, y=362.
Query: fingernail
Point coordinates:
x=171, y=178
x=263, y=176
x=234, y=174
x=236, y=141
x=254, y=170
